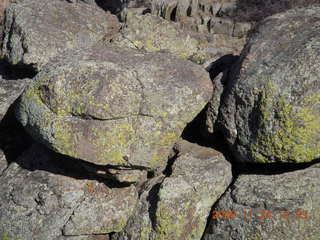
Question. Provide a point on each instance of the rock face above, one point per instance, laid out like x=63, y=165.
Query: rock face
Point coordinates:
x=279, y=206
x=177, y=206
x=153, y=33
x=69, y=26
x=271, y=111
x=177, y=10
x=10, y=90
x=41, y=187
x=111, y=106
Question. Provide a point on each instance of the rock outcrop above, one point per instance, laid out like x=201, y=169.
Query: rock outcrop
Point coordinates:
x=276, y=206
x=43, y=187
x=271, y=110
x=114, y=106
x=153, y=33
x=37, y=31
x=10, y=90
x=177, y=206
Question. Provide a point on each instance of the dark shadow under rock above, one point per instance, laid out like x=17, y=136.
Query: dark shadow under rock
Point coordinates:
x=14, y=72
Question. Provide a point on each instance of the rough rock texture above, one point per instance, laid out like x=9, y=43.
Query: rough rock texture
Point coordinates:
x=141, y=223
x=271, y=111
x=37, y=31
x=200, y=176
x=3, y=162
x=177, y=206
x=204, y=16
x=153, y=33
x=269, y=207
x=219, y=72
x=45, y=195
x=112, y=106
x=177, y=10
x=10, y=90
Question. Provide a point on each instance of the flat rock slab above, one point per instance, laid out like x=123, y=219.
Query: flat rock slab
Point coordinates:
x=10, y=90
x=114, y=106
x=281, y=206
x=177, y=206
x=271, y=109
x=37, y=31
x=41, y=188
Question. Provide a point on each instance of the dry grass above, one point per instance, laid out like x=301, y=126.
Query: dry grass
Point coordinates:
x=256, y=10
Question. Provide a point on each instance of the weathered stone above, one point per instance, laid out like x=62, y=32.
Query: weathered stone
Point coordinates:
x=144, y=31
x=277, y=206
x=271, y=110
x=3, y=162
x=88, y=237
x=219, y=71
x=44, y=193
x=141, y=224
x=10, y=90
x=177, y=9
x=111, y=106
x=200, y=176
x=37, y=31
x=177, y=206
x=152, y=33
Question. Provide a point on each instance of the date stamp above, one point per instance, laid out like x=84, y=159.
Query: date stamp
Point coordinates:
x=260, y=214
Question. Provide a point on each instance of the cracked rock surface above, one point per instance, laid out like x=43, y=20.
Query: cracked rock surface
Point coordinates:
x=10, y=90
x=37, y=31
x=176, y=206
x=274, y=206
x=111, y=106
x=46, y=196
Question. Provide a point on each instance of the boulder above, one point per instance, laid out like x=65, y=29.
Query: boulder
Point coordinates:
x=152, y=33
x=37, y=31
x=48, y=196
x=199, y=177
x=114, y=106
x=10, y=90
x=271, y=108
x=177, y=206
x=273, y=206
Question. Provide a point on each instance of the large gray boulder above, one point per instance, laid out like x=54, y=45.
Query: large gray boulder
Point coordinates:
x=114, y=106
x=10, y=90
x=177, y=206
x=269, y=207
x=47, y=196
x=271, y=110
x=37, y=31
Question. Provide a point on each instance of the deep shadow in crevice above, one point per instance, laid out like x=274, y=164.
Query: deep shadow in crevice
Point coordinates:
x=153, y=199
x=38, y=157
x=114, y=6
x=173, y=15
x=14, y=140
x=18, y=71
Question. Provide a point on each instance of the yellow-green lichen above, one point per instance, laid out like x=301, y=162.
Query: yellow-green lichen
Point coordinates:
x=295, y=132
x=5, y=236
x=112, y=144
